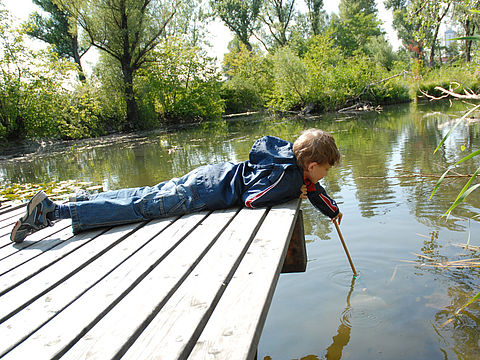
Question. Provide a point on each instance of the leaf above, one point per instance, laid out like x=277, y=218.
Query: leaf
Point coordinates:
x=463, y=194
x=475, y=153
x=439, y=182
x=462, y=148
x=475, y=298
x=448, y=134
x=456, y=124
x=475, y=37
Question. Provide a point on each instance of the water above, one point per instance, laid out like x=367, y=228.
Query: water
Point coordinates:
x=398, y=305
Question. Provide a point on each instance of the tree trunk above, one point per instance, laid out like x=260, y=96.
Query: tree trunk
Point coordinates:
x=432, y=48
x=468, y=43
x=76, y=58
x=132, y=106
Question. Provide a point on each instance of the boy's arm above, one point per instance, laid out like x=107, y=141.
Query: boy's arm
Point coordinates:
x=267, y=193
x=320, y=199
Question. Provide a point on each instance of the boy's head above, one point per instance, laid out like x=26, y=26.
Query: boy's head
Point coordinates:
x=317, y=146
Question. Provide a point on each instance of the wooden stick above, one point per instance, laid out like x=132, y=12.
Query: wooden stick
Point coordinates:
x=345, y=248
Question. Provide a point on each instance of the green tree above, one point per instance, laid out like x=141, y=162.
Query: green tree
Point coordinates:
x=249, y=78
x=469, y=21
x=277, y=16
x=291, y=79
x=405, y=27
x=181, y=83
x=429, y=16
x=128, y=31
x=356, y=24
x=381, y=52
x=240, y=16
x=56, y=30
x=316, y=15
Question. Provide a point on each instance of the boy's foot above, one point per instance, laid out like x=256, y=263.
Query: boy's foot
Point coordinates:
x=35, y=219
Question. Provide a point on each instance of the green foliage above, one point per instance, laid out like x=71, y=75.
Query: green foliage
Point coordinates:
x=334, y=80
x=458, y=77
x=39, y=95
x=356, y=25
x=380, y=51
x=240, y=16
x=291, y=80
x=56, y=30
x=278, y=16
x=181, y=84
x=249, y=82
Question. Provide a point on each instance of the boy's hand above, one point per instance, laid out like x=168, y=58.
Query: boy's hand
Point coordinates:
x=303, y=189
x=338, y=218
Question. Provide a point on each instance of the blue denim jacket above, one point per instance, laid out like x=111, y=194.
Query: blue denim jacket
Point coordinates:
x=271, y=176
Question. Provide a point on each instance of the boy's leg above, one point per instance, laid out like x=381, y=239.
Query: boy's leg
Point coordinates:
x=137, y=204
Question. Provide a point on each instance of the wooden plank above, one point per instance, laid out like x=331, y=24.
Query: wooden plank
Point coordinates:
x=6, y=225
x=106, y=339
x=11, y=248
x=25, y=271
x=234, y=329
x=12, y=213
x=54, y=267
x=24, y=323
x=70, y=324
x=175, y=329
x=9, y=207
x=17, y=258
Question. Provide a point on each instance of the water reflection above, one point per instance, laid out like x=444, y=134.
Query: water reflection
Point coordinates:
x=341, y=339
x=383, y=185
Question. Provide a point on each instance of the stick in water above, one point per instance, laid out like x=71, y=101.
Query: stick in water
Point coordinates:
x=345, y=248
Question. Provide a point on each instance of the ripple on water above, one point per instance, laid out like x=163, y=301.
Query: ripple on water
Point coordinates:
x=360, y=317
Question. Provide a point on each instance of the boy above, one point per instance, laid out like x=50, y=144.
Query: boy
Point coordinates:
x=277, y=171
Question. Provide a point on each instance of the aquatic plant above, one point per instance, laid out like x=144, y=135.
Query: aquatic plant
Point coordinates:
x=57, y=190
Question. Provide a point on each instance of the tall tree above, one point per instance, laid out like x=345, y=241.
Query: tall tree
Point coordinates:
x=277, y=15
x=316, y=15
x=430, y=15
x=356, y=23
x=404, y=26
x=240, y=16
x=469, y=20
x=56, y=30
x=128, y=31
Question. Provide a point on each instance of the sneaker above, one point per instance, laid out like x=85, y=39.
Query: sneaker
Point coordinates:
x=35, y=219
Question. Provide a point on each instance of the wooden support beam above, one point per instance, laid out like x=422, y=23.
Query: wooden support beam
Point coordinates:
x=296, y=259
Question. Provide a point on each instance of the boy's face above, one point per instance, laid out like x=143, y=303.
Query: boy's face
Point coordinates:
x=316, y=171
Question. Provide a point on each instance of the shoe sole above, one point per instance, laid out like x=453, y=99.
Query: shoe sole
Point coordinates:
x=37, y=199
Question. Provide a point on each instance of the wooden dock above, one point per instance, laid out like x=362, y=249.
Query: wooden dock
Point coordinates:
x=192, y=287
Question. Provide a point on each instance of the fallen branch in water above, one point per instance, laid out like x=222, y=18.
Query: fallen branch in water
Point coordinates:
x=361, y=106
x=469, y=94
x=464, y=263
x=468, y=247
x=358, y=107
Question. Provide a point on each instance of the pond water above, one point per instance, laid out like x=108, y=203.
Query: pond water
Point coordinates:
x=400, y=305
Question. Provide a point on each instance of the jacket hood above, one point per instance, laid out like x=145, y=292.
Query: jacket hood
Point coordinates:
x=270, y=150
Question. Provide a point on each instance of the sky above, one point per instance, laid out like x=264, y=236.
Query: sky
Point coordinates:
x=220, y=36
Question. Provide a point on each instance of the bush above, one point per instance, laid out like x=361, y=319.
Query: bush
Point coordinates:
x=459, y=76
x=250, y=82
x=181, y=85
x=291, y=80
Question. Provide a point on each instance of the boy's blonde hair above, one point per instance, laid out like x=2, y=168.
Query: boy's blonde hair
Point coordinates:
x=314, y=145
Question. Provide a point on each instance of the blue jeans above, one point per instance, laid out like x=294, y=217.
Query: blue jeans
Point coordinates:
x=169, y=198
